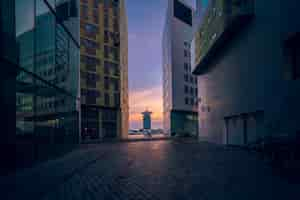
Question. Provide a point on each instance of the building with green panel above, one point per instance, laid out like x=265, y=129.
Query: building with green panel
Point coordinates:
x=104, y=69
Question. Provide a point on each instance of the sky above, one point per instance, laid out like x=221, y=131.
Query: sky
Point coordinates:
x=145, y=26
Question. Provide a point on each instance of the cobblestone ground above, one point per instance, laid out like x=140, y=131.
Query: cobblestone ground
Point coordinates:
x=150, y=170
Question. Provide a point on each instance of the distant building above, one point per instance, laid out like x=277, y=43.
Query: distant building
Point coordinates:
x=247, y=61
x=179, y=85
x=104, y=69
x=147, y=120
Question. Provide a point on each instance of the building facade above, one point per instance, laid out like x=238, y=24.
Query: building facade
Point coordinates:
x=147, y=120
x=179, y=85
x=247, y=62
x=104, y=69
x=40, y=61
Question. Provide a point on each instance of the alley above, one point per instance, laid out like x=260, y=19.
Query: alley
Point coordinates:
x=182, y=169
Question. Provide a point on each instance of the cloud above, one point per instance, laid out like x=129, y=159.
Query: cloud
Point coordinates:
x=146, y=99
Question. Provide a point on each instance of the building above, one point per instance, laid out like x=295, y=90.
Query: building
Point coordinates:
x=179, y=85
x=8, y=63
x=147, y=120
x=104, y=69
x=40, y=61
x=247, y=62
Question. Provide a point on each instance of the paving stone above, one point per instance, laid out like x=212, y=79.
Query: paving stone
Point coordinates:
x=157, y=170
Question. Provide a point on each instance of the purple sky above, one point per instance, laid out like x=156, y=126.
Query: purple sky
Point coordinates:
x=145, y=26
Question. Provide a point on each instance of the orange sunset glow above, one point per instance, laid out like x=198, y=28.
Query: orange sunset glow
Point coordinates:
x=139, y=101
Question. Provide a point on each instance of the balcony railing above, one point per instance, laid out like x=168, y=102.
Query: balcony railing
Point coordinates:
x=223, y=18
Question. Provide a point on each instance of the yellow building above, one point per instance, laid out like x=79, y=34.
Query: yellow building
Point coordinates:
x=104, y=69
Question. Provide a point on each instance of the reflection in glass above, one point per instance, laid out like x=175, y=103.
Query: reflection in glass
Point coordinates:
x=47, y=79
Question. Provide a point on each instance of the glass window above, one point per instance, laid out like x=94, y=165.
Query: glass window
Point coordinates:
x=185, y=53
x=116, y=38
x=116, y=25
x=116, y=84
x=25, y=33
x=115, y=11
x=186, y=67
x=91, y=67
x=90, y=29
x=106, y=51
x=117, y=99
x=96, y=16
x=49, y=39
x=89, y=43
x=186, y=78
x=49, y=53
x=192, y=101
x=93, y=93
x=91, y=80
x=191, y=79
x=84, y=12
x=107, y=3
x=115, y=3
x=106, y=83
x=88, y=60
x=96, y=3
x=91, y=100
x=109, y=115
x=115, y=52
x=186, y=89
x=106, y=67
x=106, y=99
x=106, y=36
x=191, y=90
x=64, y=9
x=116, y=70
x=91, y=51
x=106, y=21
x=186, y=101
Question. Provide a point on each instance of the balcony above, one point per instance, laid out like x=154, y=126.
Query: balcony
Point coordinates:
x=223, y=19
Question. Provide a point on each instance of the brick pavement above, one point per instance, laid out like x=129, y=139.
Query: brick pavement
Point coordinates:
x=150, y=170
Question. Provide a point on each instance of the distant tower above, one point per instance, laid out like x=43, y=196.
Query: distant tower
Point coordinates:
x=147, y=119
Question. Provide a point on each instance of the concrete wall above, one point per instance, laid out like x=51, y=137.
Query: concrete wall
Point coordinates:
x=181, y=33
x=246, y=82
x=167, y=63
x=124, y=70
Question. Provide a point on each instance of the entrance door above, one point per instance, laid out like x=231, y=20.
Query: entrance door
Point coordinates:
x=109, y=130
x=235, y=131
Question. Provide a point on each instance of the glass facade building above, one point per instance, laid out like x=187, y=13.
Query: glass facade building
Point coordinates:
x=40, y=83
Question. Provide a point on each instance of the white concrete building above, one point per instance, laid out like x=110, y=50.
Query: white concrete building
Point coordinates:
x=179, y=85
